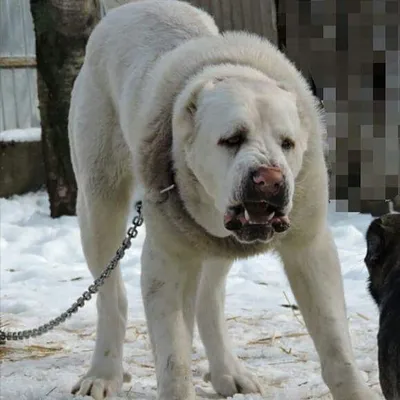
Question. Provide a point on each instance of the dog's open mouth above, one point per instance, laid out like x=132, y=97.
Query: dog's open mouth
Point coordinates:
x=255, y=214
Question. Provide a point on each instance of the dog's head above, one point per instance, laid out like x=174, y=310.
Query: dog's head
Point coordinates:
x=383, y=252
x=242, y=141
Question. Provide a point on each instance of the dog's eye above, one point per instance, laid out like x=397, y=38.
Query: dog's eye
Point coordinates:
x=235, y=140
x=287, y=144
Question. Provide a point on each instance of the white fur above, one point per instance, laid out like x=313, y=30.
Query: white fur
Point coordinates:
x=161, y=66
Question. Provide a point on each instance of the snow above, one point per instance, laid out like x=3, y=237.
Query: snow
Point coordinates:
x=43, y=271
x=21, y=135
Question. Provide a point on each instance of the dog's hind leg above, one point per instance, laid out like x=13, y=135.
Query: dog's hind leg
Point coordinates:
x=227, y=374
x=103, y=170
x=102, y=221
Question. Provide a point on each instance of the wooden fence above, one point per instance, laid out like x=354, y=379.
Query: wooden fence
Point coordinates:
x=18, y=91
x=256, y=16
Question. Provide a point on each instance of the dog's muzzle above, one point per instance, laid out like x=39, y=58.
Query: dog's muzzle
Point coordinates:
x=262, y=210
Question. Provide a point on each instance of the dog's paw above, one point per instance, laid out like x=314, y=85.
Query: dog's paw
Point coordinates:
x=100, y=388
x=362, y=394
x=234, y=379
x=181, y=392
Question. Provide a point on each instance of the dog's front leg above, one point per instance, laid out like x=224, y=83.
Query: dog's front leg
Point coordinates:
x=227, y=374
x=314, y=274
x=169, y=285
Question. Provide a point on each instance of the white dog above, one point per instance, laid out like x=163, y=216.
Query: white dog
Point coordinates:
x=163, y=99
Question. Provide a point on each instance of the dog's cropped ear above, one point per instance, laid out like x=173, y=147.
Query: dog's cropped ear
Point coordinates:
x=190, y=99
x=375, y=238
x=379, y=239
x=185, y=106
x=391, y=224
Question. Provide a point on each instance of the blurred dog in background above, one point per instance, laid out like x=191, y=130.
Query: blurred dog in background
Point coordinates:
x=383, y=263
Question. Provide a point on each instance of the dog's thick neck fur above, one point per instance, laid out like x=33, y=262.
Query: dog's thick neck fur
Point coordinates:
x=157, y=145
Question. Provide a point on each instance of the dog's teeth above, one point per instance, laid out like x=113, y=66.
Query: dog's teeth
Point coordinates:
x=246, y=215
x=270, y=216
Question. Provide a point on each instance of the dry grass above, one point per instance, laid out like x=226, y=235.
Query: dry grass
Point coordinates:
x=363, y=316
x=271, y=339
x=13, y=351
x=293, y=308
x=32, y=352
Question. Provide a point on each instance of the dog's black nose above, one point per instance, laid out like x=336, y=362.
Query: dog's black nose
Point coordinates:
x=267, y=183
x=268, y=180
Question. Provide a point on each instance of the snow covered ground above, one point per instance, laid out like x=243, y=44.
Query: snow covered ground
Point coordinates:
x=43, y=271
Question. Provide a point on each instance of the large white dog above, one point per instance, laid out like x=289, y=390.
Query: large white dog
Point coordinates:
x=230, y=126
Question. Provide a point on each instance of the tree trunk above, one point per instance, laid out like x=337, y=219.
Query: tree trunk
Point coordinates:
x=62, y=28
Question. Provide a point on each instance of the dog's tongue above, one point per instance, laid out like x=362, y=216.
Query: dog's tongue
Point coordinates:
x=235, y=218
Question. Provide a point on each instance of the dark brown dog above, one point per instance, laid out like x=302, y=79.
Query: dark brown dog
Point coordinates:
x=383, y=263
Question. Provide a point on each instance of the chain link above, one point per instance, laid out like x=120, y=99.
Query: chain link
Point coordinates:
x=87, y=295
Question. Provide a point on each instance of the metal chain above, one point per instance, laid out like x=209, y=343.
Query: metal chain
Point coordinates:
x=87, y=295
